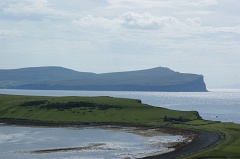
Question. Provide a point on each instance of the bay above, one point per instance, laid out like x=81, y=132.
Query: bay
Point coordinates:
x=21, y=142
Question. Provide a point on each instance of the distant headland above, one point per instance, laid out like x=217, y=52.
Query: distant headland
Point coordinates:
x=160, y=79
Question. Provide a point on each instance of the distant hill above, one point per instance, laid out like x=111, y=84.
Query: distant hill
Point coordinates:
x=59, y=78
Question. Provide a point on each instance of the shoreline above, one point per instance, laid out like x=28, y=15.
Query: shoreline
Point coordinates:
x=200, y=139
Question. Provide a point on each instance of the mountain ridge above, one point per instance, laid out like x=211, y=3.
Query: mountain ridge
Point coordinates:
x=53, y=77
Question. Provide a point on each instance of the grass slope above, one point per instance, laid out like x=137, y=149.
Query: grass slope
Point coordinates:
x=87, y=110
x=227, y=148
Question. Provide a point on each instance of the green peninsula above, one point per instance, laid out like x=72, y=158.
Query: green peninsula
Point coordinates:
x=88, y=110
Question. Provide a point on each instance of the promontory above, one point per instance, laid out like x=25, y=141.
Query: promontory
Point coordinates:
x=160, y=79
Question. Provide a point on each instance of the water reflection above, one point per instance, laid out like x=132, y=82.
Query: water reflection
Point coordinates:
x=42, y=142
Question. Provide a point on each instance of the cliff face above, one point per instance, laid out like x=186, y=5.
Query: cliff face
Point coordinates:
x=56, y=78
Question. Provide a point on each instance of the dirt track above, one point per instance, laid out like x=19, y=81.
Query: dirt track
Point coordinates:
x=202, y=140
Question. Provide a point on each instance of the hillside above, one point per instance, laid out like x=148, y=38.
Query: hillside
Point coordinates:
x=58, y=78
x=86, y=110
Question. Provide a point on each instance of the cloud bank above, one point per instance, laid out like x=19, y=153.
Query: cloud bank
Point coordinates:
x=118, y=35
x=147, y=21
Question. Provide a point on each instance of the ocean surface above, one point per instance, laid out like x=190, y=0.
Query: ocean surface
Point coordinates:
x=217, y=104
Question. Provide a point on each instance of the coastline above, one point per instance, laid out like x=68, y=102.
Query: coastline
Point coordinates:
x=200, y=139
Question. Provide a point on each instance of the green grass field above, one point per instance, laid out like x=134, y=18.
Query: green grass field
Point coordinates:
x=227, y=148
x=108, y=110
x=87, y=109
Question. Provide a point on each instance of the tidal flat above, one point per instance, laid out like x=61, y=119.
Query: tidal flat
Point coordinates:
x=25, y=142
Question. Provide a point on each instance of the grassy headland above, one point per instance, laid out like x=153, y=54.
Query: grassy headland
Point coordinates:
x=108, y=110
x=87, y=110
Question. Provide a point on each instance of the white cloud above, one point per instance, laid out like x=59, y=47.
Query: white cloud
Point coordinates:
x=194, y=21
x=159, y=4
x=136, y=21
x=137, y=3
x=5, y=32
x=95, y=21
x=28, y=7
x=147, y=20
x=234, y=29
x=201, y=2
x=130, y=20
x=35, y=7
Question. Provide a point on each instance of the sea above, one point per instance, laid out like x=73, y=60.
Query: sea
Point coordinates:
x=93, y=142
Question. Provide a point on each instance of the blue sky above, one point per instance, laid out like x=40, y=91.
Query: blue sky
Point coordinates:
x=99, y=36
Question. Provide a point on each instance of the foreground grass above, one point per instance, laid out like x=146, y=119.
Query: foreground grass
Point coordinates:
x=110, y=110
x=227, y=148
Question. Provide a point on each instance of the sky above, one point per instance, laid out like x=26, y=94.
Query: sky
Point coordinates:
x=189, y=36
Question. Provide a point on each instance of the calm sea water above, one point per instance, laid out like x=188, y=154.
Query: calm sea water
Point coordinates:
x=218, y=104
x=18, y=143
